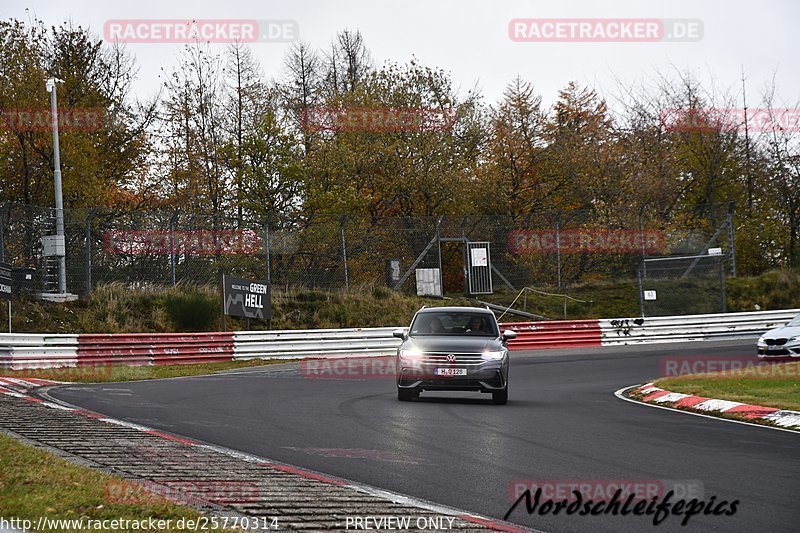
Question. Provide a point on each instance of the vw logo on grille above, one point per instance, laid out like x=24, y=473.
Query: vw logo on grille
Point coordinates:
x=451, y=358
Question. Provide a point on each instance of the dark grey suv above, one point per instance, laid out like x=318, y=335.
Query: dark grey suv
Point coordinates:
x=453, y=348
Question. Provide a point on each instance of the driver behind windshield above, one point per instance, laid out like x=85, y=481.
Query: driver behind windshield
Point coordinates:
x=475, y=325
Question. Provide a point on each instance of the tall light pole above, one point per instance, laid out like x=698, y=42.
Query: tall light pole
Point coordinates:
x=62, y=260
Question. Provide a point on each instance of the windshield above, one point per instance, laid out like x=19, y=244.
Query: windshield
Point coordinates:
x=460, y=323
x=794, y=322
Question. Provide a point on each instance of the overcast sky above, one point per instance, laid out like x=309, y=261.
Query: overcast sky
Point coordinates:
x=470, y=38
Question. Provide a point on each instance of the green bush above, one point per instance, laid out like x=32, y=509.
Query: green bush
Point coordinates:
x=381, y=293
x=192, y=311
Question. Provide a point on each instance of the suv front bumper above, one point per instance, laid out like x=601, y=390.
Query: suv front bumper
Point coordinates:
x=488, y=376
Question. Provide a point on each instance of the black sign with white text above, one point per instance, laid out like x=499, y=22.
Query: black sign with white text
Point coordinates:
x=5, y=281
x=247, y=298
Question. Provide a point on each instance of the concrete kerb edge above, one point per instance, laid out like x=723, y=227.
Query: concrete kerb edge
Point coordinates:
x=622, y=395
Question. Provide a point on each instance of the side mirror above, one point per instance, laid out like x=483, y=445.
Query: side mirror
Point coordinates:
x=509, y=334
x=399, y=333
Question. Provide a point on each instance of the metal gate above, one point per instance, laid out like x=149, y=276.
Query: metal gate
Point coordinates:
x=479, y=268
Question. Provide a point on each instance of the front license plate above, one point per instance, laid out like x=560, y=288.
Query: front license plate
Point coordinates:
x=451, y=371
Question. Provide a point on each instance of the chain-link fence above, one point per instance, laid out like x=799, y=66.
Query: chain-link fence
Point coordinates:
x=549, y=250
x=683, y=285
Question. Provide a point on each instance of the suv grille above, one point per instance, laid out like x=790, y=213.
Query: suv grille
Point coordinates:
x=461, y=358
x=776, y=342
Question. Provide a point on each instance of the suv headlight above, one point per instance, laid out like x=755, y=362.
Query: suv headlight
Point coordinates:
x=411, y=353
x=761, y=341
x=793, y=339
x=494, y=356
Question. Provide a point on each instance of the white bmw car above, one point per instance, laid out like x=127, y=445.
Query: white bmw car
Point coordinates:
x=781, y=342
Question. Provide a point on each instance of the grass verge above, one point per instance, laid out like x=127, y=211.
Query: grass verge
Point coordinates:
x=35, y=483
x=112, y=373
x=776, y=385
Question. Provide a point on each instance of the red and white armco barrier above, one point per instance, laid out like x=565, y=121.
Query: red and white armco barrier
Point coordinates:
x=136, y=349
x=19, y=351
x=554, y=334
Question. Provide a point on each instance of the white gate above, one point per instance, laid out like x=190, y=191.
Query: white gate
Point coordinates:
x=479, y=268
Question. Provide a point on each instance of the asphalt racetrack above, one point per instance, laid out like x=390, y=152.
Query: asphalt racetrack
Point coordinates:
x=562, y=424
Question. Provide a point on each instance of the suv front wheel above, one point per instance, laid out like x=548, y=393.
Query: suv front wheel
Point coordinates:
x=406, y=395
x=500, y=397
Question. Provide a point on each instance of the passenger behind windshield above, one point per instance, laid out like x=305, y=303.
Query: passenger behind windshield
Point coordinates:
x=436, y=327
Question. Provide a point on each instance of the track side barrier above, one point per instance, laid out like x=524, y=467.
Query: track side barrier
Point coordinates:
x=721, y=326
x=554, y=334
x=19, y=351
x=136, y=349
x=314, y=343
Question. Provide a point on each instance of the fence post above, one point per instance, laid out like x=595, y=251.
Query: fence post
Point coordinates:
x=344, y=253
x=639, y=286
x=266, y=247
x=87, y=250
x=464, y=254
x=558, y=247
x=3, y=209
x=731, y=239
x=172, y=221
x=644, y=256
x=722, y=292
x=439, y=248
